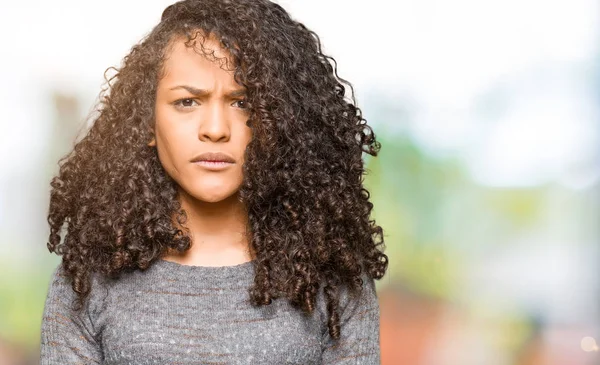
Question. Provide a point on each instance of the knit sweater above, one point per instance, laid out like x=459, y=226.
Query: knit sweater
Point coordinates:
x=172, y=313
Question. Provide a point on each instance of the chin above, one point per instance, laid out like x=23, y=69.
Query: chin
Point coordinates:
x=213, y=196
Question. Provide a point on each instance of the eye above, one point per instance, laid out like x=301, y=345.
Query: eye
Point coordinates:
x=244, y=103
x=184, y=103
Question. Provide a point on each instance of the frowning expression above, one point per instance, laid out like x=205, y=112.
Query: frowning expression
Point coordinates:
x=201, y=109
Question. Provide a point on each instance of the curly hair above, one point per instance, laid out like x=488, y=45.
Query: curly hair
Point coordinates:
x=308, y=213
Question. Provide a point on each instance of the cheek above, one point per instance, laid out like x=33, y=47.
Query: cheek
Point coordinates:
x=171, y=146
x=246, y=138
x=173, y=129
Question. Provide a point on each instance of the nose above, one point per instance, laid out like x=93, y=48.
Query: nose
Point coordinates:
x=214, y=125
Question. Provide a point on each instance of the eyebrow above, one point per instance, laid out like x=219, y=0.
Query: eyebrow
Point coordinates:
x=203, y=92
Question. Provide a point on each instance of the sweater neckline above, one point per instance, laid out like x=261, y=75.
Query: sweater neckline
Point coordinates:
x=239, y=270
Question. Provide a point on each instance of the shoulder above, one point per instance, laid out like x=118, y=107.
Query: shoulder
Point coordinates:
x=351, y=302
x=60, y=290
x=365, y=298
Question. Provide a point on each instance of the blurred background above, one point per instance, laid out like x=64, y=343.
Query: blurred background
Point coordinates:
x=487, y=185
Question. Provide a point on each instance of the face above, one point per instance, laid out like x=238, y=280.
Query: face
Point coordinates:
x=201, y=109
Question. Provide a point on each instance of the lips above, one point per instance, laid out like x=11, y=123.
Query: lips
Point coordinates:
x=213, y=157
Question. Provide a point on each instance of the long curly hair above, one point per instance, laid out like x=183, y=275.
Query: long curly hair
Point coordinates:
x=308, y=212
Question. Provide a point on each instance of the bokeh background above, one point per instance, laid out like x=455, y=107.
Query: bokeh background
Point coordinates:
x=487, y=184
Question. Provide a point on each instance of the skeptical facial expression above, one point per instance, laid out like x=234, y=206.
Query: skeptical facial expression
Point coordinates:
x=201, y=109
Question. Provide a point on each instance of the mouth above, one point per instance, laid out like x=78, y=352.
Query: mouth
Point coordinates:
x=212, y=161
x=213, y=165
x=213, y=158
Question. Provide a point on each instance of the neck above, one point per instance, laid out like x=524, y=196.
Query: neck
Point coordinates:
x=218, y=230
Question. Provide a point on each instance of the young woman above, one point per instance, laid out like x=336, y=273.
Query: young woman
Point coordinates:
x=214, y=213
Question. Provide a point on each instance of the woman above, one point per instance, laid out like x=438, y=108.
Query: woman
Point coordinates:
x=214, y=212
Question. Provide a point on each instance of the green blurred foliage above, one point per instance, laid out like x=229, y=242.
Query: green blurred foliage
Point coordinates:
x=22, y=299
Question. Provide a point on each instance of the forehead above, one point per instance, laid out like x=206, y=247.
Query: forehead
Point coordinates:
x=205, y=59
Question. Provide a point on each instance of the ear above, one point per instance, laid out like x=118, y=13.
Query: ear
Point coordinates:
x=152, y=143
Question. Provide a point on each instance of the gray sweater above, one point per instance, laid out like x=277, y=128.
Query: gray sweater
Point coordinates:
x=179, y=314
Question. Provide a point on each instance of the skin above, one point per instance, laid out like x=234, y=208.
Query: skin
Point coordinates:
x=214, y=122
